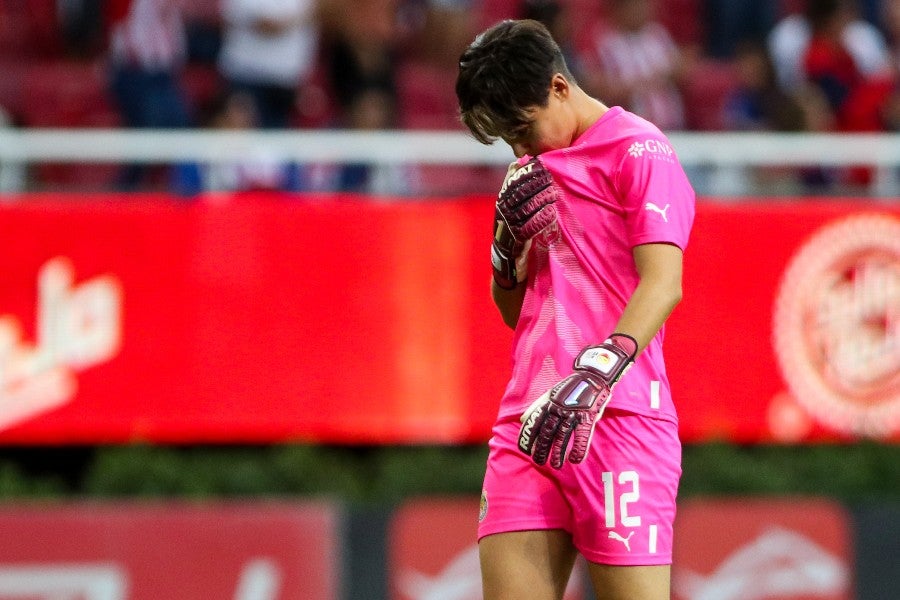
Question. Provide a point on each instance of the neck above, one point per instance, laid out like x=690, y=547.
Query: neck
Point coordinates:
x=587, y=110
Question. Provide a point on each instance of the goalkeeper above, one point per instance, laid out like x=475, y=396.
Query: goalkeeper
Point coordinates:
x=590, y=226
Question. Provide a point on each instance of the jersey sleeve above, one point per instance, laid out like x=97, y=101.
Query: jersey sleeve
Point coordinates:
x=656, y=196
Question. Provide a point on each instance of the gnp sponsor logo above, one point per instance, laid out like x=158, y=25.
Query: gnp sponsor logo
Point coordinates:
x=653, y=149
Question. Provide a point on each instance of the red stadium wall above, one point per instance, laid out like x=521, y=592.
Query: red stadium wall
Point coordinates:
x=349, y=320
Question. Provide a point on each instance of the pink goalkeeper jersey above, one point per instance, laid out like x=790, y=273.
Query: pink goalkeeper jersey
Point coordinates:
x=621, y=186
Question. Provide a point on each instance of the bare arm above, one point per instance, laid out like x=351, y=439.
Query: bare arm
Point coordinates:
x=659, y=267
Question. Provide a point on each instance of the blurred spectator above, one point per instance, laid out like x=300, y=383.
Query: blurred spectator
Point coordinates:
x=891, y=19
x=146, y=54
x=856, y=92
x=260, y=169
x=635, y=63
x=447, y=27
x=790, y=38
x=359, y=42
x=556, y=16
x=81, y=25
x=732, y=22
x=855, y=97
x=373, y=109
x=268, y=51
x=758, y=103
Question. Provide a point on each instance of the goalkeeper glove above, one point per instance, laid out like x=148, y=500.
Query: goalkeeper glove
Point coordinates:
x=525, y=206
x=570, y=409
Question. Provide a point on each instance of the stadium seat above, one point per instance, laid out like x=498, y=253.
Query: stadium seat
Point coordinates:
x=684, y=21
x=29, y=28
x=13, y=32
x=427, y=96
x=11, y=98
x=66, y=93
x=201, y=84
x=496, y=10
x=706, y=91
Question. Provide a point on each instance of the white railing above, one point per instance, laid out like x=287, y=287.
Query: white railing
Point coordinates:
x=724, y=158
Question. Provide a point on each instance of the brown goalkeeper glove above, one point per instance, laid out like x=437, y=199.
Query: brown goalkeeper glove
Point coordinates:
x=525, y=206
x=570, y=409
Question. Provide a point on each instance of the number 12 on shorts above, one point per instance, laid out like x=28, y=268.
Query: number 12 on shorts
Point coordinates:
x=626, y=497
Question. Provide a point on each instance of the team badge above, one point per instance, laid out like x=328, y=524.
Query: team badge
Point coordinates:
x=836, y=326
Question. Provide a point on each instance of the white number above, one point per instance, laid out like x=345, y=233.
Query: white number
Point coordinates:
x=626, y=498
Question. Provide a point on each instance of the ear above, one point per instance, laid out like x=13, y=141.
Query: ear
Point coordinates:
x=559, y=86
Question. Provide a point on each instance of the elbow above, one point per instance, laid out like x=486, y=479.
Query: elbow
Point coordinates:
x=674, y=294
x=677, y=296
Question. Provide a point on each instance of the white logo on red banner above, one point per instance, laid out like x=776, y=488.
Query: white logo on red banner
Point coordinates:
x=836, y=326
x=51, y=581
x=78, y=326
x=762, y=549
x=780, y=563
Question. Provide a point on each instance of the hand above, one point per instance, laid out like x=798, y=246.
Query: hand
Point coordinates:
x=525, y=206
x=570, y=409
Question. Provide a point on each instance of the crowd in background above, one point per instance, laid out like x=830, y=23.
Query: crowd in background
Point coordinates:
x=741, y=65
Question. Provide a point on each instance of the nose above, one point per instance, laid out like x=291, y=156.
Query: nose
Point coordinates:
x=519, y=149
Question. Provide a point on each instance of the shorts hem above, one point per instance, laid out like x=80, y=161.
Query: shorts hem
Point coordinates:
x=630, y=560
x=519, y=526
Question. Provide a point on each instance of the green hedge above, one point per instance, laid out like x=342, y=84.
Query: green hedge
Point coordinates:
x=375, y=475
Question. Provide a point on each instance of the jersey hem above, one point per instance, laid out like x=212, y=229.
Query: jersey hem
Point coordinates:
x=504, y=415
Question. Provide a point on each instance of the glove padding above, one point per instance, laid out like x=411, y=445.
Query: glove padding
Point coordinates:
x=525, y=206
x=571, y=408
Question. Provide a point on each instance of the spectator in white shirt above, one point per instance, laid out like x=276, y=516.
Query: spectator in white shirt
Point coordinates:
x=268, y=51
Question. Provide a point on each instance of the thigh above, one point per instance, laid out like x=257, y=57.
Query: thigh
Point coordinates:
x=518, y=495
x=628, y=583
x=526, y=564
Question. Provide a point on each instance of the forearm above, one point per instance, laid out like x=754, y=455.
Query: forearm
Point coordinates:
x=647, y=311
x=508, y=302
x=656, y=295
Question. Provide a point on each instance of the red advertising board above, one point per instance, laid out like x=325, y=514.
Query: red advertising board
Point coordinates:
x=347, y=320
x=790, y=325
x=778, y=549
x=433, y=552
x=261, y=551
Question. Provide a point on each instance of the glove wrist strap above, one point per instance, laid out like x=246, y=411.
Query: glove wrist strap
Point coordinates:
x=608, y=360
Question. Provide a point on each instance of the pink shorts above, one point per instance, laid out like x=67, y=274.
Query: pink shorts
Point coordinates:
x=618, y=505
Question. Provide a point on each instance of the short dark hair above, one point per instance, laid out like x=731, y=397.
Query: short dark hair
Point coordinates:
x=505, y=72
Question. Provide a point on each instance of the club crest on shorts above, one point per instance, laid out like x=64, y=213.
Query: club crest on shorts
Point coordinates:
x=483, y=506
